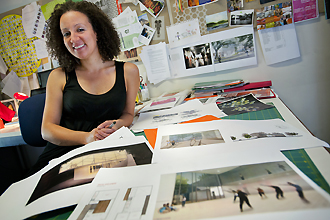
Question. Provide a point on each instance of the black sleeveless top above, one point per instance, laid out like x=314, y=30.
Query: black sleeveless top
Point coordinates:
x=83, y=111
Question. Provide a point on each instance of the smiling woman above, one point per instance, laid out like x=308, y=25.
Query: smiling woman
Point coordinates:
x=91, y=90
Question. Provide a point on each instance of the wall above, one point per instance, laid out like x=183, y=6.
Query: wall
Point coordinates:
x=301, y=83
x=9, y=5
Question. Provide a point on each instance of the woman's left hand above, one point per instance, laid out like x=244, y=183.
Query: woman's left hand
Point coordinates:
x=103, y=130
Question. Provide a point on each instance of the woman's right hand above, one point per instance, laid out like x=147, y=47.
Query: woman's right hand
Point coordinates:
x=93, y=136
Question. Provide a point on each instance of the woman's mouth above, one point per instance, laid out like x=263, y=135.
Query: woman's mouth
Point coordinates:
x=78, y=47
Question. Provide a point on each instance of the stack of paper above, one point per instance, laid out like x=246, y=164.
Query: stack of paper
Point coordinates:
x=129, y=28
x=156, y=61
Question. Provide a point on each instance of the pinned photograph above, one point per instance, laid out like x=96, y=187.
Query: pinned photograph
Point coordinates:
x=195, y=3
x=217, y=21
x=143, y=19
x=274, y=15
x=146, y=34
x=197, y=56
x=234, y=5
x=231, y=49
x=153, y=7
x=242, y=17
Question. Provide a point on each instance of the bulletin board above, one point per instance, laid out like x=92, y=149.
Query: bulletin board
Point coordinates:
x=168, y=16
x=201, y=11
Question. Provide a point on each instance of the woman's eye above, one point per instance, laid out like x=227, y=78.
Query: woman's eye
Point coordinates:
x=66, y=34
x=80, y=29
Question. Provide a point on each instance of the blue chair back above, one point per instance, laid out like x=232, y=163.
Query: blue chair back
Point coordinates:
x=30, y=114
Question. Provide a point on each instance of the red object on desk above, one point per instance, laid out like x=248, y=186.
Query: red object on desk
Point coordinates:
x=6, y=113
x=253, y=85
x=1, y=124
x=20, y=96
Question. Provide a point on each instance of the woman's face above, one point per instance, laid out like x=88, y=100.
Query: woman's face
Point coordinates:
x=78, y=35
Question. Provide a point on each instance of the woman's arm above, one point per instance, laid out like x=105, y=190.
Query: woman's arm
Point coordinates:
x=132, y=82
x=51, y=130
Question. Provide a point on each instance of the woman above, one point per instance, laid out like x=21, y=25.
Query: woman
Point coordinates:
x=90, y=91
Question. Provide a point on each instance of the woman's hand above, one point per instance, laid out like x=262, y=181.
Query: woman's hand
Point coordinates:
x=106, y=128
x=92, y=136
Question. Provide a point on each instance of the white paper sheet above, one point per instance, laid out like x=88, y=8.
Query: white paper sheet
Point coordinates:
x=155, y=59
x=195, y=138
x=165, y=101
x=41, y=49
x=183, y=33
x=279, y=44
x=242, y=170
x=12, y=84
x=127, y=192
x=3, y=66
x=188, y=60
x=190, y=110
x=25, y=88
x=129, y=28
x=18, y=194
x=33, y=21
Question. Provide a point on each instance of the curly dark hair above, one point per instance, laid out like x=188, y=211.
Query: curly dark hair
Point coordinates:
x=107, y=38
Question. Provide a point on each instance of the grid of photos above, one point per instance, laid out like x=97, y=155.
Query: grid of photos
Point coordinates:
x=197, y=56
x=238, y=190
x=231, y=49
x=274, y=15
x=19, y=56
x=191, y=139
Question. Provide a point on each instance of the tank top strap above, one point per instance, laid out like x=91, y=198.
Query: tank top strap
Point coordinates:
x=120, y=72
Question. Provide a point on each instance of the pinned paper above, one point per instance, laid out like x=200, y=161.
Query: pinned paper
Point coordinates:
x=33, y=21
x=3, y=66
x=12, y=84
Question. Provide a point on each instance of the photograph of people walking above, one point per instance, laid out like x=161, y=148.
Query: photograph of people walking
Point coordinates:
x=203, y=194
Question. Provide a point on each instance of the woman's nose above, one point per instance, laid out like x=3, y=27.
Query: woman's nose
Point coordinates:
x=73, y=37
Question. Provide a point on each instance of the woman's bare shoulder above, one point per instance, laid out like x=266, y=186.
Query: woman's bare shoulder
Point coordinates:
x=131, y=69
x=57, y=76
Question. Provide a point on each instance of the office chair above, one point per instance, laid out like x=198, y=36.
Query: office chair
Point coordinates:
x=30, y=114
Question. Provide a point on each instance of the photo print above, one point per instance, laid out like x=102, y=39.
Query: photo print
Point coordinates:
x=143, y=19
x=274, y=15
x=234, y=5
x=153, y=7
x=261, y=134
x=265, y=1
x=195, y=3
x=243, y=104
x=217, y=21
x=235, y=191
x=146, y=34
x=231, y=49
x=81, y=169
x=191, y=139
x=242, y=17
x=197, y=56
